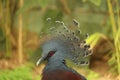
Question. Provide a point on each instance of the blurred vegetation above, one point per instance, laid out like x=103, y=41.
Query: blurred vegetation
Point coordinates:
x=20, y=73
x=23, y=25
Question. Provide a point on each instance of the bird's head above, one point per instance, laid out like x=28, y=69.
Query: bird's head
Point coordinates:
x=65, y=43
x=53, y=50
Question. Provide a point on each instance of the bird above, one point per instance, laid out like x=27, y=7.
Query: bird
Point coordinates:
x=64, y=43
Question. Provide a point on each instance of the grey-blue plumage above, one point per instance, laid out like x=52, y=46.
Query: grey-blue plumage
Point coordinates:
x=64, y=43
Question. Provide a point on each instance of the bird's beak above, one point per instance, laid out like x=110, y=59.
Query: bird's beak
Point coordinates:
x=39, y=61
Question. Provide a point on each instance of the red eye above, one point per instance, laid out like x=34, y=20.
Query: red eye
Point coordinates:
x=51, y=53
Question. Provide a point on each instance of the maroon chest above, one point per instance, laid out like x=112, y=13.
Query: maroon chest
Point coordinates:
x=60, y=75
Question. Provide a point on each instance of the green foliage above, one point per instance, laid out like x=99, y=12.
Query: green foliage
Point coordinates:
x=115, y=59
x=34, y=55
x=92, y=75
x=5, y=24
x=2, y=40
x=94, y=38
x=2, y=35
x=21, y=73
x=32, y=4
x=54, y=15
x=96, y=2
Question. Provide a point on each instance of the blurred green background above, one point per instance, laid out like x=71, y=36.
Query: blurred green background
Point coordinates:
x=23, y=27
